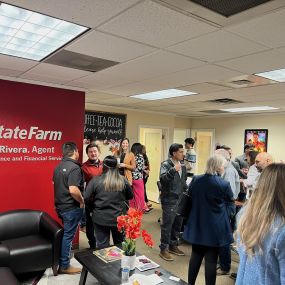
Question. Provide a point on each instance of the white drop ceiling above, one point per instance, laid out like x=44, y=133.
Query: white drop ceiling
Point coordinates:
x=163, y=44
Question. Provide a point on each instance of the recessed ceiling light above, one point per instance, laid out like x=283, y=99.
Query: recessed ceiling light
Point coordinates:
x=31, y=35
x=249, y=109
x=163, y=94
x=276, y=75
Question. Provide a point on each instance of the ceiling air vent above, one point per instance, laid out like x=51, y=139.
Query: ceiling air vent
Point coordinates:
x=228, y=8
x=241, y=82
x=213, y=112
x=79, y=61
x=224, y=101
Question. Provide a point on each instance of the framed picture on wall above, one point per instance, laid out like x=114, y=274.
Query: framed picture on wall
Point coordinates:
x=257, y=137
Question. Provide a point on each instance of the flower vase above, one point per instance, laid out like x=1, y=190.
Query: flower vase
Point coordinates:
x=128, y=261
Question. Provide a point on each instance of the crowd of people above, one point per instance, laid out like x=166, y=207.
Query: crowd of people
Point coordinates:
x=241, y=199
x=95, y=193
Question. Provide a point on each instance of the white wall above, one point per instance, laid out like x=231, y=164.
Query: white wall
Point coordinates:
x=230, y=131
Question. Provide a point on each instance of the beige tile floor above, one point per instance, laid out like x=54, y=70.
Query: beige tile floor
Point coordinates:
x=179, y=267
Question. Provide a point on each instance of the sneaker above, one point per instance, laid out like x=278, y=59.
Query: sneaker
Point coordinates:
x=233, y=276
x=175, y=250
x=222, y=272
x=69, y=270
x=164, y=254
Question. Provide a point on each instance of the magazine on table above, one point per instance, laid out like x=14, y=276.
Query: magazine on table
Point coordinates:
x=109, y=254
x=143, y=263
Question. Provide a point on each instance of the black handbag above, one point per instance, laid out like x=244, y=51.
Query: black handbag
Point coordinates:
x=184, y=205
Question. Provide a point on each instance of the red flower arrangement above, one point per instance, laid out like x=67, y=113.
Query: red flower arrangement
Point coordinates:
x=130, y=224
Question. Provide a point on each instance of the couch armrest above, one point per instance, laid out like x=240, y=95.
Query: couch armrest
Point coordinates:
x=4, y=255
x=52, y=230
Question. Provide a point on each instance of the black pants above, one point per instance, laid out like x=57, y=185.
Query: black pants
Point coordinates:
x=170, y=228
x=211, y=256
x=225, y=259
x=102, y=234
x=90, y=229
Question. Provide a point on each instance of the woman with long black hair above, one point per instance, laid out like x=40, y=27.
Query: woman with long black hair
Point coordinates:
x=108, y=194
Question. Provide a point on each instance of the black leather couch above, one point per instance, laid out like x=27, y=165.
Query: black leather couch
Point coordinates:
x=29, y=241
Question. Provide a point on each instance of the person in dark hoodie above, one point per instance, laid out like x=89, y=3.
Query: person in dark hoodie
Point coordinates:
x=108, y=194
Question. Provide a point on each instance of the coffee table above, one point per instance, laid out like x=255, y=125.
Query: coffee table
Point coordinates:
x=110, y=273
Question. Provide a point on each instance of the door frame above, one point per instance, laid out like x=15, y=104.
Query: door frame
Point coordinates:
x=212, y=147
x=162, y=158
x=155, y=127
x=213, y=131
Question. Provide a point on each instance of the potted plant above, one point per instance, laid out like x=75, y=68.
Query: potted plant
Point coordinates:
x=130, y=225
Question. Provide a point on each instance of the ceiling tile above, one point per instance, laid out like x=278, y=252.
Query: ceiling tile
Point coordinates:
x=147, y=103
x=90, y=13
x=9, y=72
x=95, y=96
x=217, y=46
x=155, y=24
x=205, y=73
x=120, y=101
x=132, y=89
x=101, y=80
x=204, y=88
x=109, y=47
x=263, y=29
x=58, y=73
x=43, y=78
x=153, y=65
x=255, y=63
x=16, y=63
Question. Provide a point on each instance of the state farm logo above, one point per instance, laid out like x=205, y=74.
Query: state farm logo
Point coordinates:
x=32, y=133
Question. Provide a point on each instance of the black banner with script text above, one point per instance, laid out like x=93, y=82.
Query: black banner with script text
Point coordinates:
x=104, y=126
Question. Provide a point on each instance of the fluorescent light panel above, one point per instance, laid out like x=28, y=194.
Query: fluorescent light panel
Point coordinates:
x=276, y=75
x=249, y=109
x=163, y=94
x=31, y=35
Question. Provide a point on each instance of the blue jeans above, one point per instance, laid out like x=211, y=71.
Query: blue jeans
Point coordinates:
x=70, y=220
x=170, y=228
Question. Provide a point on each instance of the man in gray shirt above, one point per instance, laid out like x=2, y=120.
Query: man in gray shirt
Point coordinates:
x=190, y=157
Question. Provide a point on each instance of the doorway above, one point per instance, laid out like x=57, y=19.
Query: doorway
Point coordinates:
x=204, y=146
x=152, y=139
x=179, y=135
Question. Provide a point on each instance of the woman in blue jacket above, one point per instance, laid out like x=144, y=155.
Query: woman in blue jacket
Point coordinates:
x=208, y=226
x=261, y=231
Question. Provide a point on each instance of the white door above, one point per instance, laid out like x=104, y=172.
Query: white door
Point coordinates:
x=204, y=147
x=179, y=135
x=152, y=139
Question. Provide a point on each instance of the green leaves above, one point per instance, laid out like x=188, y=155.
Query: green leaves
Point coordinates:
x=129, y=247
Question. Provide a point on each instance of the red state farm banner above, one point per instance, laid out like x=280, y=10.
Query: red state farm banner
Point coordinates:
x=34, y=123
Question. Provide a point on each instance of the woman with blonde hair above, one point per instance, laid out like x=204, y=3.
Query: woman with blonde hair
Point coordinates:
x=261, y=231
x=107, y=195
x=127, y=161
x=208, y=226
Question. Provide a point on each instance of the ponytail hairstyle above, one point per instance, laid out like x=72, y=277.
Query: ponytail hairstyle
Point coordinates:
x=113, y=181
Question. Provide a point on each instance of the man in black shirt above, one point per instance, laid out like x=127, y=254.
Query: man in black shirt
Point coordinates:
x=68, y=186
